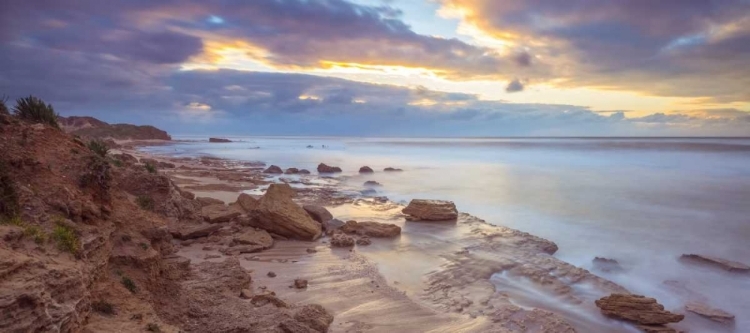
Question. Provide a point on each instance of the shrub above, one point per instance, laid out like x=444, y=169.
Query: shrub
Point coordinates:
x=103, y=307
x=15, y=220
x=66, y=238
x=99, y=147
x=33, y=109
x=9, y=207
x=129, y=284
x=116, y=162
x=97, y=176
x=36, y=233
x=150, y=168
x=151, y=327
x=145, y=202
x=144, y=246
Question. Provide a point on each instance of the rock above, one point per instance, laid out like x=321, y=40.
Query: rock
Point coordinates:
x=312, y=250
x=278, y=214
x=219, y=140
x=235, y=250
x=246, y=294
x=365, y=169
x=198, y=231
x=368, y=192
x=211, y=256
x=271, y=274
x=300, y=283
x=389, y=169
x=254, y=237
x=364, y=241
x=304, y=172
x=372, y=183
x=291, y=171
x=323, y=168
x=656, y=329
x=219, y=213
x=205, y=201
x=728, y=265
x=606, y=265
x=342, y=240
x=273, y=169
x=431, y=210
x=333, y=224
x=638, y=309
x=371, y=229
x=314, y=316
x=263, y=299
x=704, y=310
x=247, y=202
x=318, y=213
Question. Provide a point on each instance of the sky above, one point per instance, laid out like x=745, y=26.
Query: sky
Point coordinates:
x=387, y=67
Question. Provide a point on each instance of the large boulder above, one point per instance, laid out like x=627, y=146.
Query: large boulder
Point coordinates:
x=219, y=213
x=638, y=309
x=247, y=202
x=323, y=168
x=318, y=213
x=365, y=169
x=273, y=169
x=728, y=265
x=371, y=229
x=277, y=213
x=431, y=210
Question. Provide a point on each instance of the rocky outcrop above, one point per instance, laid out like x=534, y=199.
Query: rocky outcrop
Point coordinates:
x=431, y=210
x=365, y=169
x=638, y=309
x=606, y=265
x=93, y=128
x=304, y=172
x=728, y=265
x=372, y=183
x=318, y=213
x=273, y=169
x=219, y=140
x=278, y=214
x=371, y=229
x=342, y=240
x=704, y=310
x=323, y=168
x=254, y=237
x=246, y=202
x=219, y=213
x=389, y=169
x=291, y=171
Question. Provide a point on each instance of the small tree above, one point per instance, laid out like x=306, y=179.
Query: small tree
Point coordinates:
x=35, y=110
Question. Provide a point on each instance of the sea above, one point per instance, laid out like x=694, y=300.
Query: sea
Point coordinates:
x=641, y=201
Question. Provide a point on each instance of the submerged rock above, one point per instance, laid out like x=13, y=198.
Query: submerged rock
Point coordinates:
x=291, y=171
x=323, y=168
x=371, y=229
x=365, y=169
x=273, y=169
x=606, y=265
x=636, y=308
x=431, y=210
x=728, y=265
x=372, y=183
x=389, y=169
x=704, y=310
x=304, y=172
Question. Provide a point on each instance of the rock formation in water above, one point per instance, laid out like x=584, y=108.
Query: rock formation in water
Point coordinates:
x=728, y=265
x=365, y=169
x=371, y=229
x=218, y=140
x=638, y=309
x=273, y=169
x=431, y=210
x=704, y=310
x=324, y=168
x=389, y=169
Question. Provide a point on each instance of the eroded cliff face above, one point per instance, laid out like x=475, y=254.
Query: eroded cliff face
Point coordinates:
x=91, y=127
x=86, y=247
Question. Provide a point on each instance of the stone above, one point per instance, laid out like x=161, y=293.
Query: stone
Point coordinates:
x=278, y=214
x=205, y=201
x=333, y=224
x=365, y=169
x=342, y=240
x=371, y=229
x=273, y=169
x=364, y=241
x=254, y=237
x=271, y=274
x=197, y=231
x=636, y=308
x=246, y=294
x=312, y=251
x=291, y=171
x=372, y=183
x=704, y=310
x=431, y=210
x=318, y=213
x=323, y=168
x=236, y=250
x=389, y=169
x=247, y=202
x=728, y=265
x=315, y=316
x=300, y=283
x=219, y=213
x=304, y=172
x=218, y=140
x=606, y=265
x=656, y=329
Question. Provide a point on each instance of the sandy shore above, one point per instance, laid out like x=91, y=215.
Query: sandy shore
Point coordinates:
x=464, y=276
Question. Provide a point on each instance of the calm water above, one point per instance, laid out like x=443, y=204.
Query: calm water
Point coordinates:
x=643, y=202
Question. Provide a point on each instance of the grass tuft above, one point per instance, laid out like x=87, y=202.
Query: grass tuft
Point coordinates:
x=66, y=238
x=35, y=233
x=144, y=246
x=150, y=168
x=129, y=284
x=35, y=110
x=145, y=202
x=99, y=147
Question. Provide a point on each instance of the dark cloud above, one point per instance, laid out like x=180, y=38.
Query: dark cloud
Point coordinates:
x=514, y=86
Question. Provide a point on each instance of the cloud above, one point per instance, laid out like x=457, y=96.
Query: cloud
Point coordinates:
x=514, y=86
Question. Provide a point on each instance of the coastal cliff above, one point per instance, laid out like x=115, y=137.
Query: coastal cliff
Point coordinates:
x=90, y=127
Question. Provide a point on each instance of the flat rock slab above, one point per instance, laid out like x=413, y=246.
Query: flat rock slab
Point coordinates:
x=219, y=213
x=371, y=229
x=638, y=309
x=254, y=237
x=197, y=231
x=728, y=265
x=704, y=310
x=431, y=210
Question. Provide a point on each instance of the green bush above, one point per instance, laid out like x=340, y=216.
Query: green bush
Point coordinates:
x=129, y=284
x=150, y=168
x=9, y=207
x=99, y=147
x=66, y=238
x=103, y=307
x=97, y=176
x=33, y=109
x=145, y=202
x=36, y=233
